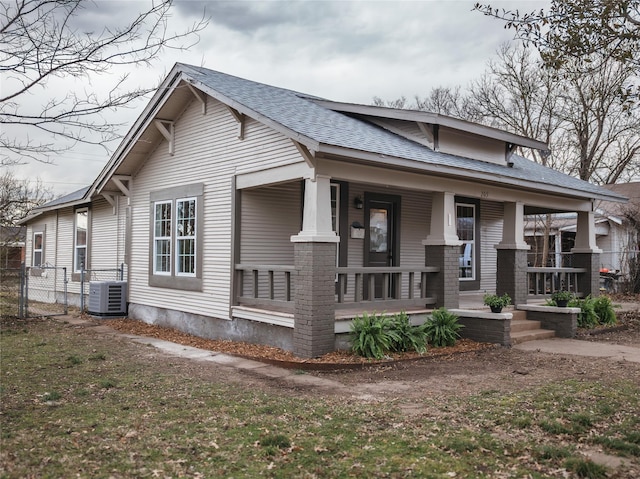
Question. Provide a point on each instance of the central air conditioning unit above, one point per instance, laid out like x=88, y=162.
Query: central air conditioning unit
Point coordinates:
x=107, y=298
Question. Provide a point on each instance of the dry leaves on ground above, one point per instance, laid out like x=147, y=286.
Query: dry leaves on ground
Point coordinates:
x=273, y=354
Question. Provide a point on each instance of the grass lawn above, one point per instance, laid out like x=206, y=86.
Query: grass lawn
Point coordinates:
x=74, y=404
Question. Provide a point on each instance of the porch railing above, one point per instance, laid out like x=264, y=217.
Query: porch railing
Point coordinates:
x=269, y=287
x=393, y=286
x=546, y=281
x=265, y=286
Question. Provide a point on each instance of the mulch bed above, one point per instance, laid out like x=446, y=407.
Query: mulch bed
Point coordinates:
x=273, y=355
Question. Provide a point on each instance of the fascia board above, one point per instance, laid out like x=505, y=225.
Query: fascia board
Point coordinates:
x=395, y=162
x=310, y=143
x=436, y=119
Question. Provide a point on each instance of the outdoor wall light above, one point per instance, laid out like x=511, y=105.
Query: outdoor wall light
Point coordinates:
x=358, y=203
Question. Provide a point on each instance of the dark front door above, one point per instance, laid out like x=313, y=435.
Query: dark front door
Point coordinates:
x=381, y=239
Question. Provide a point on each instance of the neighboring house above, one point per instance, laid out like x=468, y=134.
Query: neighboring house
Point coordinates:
x=616, y=234
x=12, y=246
x=250, y=212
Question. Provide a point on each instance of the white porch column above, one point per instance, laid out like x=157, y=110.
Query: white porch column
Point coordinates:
x=315, y=261
x=316, y=221
x=442, y=250
x=443, y=221
x=586, y=234
x=513, y=227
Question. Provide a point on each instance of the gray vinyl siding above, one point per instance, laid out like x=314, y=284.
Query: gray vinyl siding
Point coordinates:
x=107, y=237
x=491, y=222
x=207, y=150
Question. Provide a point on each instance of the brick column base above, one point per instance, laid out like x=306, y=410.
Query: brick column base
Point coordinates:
x=314, y=313
x=445, y=285
x=589, y=282
x=512, y=275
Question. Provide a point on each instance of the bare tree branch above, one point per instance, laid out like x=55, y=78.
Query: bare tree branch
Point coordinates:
x=43, y=40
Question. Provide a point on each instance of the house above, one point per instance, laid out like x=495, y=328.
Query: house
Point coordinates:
x=617, y=236
x=251, y=212
x=12, y=246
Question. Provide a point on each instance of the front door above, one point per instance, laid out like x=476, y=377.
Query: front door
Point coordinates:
x=381, y=239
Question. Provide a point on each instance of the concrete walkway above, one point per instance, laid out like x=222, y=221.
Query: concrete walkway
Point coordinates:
x=582, y=348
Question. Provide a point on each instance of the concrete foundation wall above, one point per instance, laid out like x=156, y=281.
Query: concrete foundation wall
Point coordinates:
x=215, y=328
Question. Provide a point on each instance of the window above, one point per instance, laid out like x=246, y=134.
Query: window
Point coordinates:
x=80, y=240
x=162, y=238
x=176, y=258
x=38, y=249
x=186, y=237
x=466, y=226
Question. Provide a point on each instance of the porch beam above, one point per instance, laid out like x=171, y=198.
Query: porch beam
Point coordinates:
x=472, y=187
x=273, y=176
x=166, y=129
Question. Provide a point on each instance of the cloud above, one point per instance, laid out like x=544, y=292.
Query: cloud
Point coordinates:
x=342, y=50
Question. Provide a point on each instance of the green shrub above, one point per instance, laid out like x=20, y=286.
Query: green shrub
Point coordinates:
x=442, y=328
x=409, y=337
x=372, y=335
x=587, y=318
x=604, y=310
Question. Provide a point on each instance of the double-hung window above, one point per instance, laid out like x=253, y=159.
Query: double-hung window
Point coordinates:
x=466, y=227
x=81, y=235
x=176, y=250
x=38, y=248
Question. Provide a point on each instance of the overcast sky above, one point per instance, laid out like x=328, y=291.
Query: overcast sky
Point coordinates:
x=341, y=50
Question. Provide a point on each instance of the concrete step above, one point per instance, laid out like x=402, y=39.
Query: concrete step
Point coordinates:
x=519, y=315
x=518, y=325
x=531, y=335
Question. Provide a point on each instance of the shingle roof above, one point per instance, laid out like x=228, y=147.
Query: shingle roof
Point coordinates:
x=300, y=114
x=69, y=198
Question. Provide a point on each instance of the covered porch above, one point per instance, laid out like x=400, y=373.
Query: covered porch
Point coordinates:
x=315, y=246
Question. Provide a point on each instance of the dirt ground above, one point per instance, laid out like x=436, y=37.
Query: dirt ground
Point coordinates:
x=467, y=369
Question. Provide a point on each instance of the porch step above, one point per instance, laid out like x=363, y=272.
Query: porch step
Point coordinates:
x=518, y=325
x=531, y=335
x=518, y=315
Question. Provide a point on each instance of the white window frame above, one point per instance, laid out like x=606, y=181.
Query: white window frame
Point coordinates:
x=192, y=237
x=166, y=239
x=469, y=242
x=77, y=247
x=37, y=250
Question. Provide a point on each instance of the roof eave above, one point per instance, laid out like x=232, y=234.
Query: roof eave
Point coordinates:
x=443, y=170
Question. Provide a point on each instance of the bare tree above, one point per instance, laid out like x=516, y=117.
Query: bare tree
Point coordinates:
x=574, y=30
x=599, y=129
x=44, y=40
x=18, y=197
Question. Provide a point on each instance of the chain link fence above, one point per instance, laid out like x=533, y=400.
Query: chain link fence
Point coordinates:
x=10, y=296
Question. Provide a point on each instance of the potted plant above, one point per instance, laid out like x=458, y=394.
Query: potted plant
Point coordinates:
x=496, y=303
x=562, y=298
